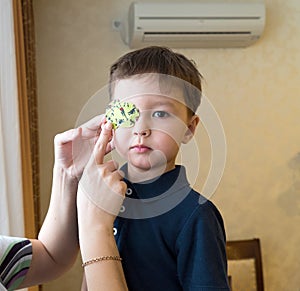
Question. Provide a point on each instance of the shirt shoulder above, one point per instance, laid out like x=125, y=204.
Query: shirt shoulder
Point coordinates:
x=201, y=212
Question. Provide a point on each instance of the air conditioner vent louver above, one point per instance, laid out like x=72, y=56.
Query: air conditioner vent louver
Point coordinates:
x=197, y=18
x=195, y=32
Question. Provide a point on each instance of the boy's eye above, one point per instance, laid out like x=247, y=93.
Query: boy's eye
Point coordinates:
x=160, y=114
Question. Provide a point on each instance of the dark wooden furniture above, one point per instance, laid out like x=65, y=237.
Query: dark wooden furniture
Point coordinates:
x=247, y=249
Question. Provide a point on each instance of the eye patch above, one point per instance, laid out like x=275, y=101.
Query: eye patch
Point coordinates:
x=122, y=114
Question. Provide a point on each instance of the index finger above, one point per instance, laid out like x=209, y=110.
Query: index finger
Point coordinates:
x=67, y=136
x=91, y=128
x=102, y=142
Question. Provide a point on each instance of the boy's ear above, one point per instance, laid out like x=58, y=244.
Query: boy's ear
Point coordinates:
x=192, y=125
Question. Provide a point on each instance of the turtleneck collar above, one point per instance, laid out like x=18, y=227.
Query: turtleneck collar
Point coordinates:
x=172, y=180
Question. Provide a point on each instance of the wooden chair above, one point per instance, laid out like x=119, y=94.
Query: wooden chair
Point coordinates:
x=248, y=251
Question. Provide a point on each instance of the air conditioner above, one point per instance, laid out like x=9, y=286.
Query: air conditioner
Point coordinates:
x=193, y=25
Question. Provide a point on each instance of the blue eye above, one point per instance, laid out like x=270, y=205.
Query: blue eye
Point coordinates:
x=160, y=114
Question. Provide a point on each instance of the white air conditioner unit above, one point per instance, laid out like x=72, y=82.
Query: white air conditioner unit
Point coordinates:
x=193, y=25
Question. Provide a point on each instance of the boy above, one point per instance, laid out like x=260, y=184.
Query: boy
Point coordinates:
x=168, y=239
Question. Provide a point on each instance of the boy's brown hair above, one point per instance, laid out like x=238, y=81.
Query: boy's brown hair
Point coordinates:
x=161, y=60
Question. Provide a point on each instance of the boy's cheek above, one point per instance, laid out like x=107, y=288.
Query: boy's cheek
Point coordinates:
x=174, y=130
x=122, y=138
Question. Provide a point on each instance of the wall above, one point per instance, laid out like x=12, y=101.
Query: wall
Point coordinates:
x=254, y=90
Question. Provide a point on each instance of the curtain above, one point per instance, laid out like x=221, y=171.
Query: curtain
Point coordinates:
x=19, y=179
x=11, y=196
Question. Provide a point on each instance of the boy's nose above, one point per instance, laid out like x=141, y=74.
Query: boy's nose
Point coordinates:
x=143, y=133
x=142, y=126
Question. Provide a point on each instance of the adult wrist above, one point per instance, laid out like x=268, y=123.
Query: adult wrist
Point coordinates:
x=95, y=230
x=64, y=174
x=95, y=239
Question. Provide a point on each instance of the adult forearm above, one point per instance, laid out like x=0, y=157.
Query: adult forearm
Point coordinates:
x=56, y=248
x=59, y=233
x=102, y=275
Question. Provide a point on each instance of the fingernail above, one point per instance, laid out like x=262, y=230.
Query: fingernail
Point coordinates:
x=108, y=126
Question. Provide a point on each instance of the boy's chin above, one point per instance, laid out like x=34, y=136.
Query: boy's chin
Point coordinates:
x=138, y=172
x=155, y=161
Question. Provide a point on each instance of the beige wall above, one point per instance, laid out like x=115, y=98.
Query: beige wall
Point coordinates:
x=255, y=91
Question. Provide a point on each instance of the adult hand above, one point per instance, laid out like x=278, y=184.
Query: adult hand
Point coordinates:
x=101, y=189
x=73, y=148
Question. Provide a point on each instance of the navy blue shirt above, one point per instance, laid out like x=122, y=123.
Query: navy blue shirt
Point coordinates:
x=170, y=237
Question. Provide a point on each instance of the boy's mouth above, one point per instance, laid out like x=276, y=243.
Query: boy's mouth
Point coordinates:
x=140, y=148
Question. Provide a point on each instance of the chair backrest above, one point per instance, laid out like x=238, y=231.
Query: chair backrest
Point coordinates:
x=246, y=251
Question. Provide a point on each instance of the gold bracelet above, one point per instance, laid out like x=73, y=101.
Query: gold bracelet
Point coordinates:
x=103, y=258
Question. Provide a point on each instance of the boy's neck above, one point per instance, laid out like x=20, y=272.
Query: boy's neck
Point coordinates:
x=136, y=175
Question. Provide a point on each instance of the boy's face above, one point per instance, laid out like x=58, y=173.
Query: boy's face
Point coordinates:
x=164, y=123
